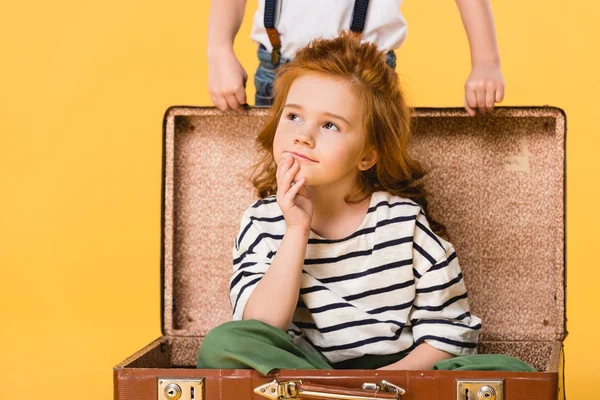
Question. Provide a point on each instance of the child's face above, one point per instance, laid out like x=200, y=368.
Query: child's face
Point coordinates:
x=322, y=120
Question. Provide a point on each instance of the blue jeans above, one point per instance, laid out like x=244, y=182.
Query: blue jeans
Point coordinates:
x=265, y=74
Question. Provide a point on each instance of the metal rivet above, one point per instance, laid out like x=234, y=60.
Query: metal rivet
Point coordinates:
x=272, y=390
x=263, y=390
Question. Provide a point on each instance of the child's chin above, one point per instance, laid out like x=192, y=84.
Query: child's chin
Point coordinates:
x=299, y=176
x=309, y=182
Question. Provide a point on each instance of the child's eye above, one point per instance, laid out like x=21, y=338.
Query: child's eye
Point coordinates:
x=331, y=126
x=293, y=117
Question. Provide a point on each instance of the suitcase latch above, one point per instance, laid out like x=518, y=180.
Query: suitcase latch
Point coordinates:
x=180, y=389
x=384, y=386
x=479, y=390
x=296, y=389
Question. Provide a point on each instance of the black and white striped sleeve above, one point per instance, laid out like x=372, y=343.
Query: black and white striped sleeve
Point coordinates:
x=251, y=259
x=440, y=314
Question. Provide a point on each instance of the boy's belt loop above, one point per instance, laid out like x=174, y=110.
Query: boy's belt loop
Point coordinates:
x=359, y=15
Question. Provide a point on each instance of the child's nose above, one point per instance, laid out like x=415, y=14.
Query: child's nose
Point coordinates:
x=305, y=135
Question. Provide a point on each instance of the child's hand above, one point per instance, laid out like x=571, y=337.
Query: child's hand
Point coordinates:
x=227, y=81
x=484, y=87
x=293, y=200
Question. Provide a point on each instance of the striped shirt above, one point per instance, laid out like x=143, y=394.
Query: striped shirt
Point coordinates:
x=384, y=289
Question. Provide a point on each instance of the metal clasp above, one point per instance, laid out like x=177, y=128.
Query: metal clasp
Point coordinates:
x=276, y=55
x=384, y=386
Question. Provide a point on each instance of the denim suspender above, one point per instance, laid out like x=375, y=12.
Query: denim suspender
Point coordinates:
x=359, y=15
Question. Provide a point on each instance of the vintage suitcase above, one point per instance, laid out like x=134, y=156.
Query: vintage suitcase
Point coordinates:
x=496, y=182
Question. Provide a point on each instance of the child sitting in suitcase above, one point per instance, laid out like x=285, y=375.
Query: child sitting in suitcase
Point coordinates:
x=337, y=265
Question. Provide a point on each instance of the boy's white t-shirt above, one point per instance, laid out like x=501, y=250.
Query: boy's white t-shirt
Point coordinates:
x=300, y=21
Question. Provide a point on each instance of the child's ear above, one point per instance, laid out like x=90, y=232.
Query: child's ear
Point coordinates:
x=368, y=160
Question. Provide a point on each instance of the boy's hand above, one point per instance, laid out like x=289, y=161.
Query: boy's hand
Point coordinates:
x=227, y=82
x=293, y=200
x=484, y=87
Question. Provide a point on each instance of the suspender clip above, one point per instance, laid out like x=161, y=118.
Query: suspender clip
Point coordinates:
x=276, y=55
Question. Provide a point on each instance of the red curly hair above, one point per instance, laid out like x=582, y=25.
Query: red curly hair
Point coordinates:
x=387, y=118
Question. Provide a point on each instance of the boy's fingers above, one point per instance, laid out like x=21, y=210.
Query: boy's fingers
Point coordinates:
x=240, y=96
x=489, y=99
x=469, y=110
x=232, y=102
x=221, y=103
x=213, y=98
x=499, y=93
x=480, y=94
x=470, y=102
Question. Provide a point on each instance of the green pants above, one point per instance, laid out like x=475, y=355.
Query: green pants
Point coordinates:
x=254, y=344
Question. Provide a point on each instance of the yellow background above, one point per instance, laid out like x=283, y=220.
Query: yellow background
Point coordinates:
x=83, y=88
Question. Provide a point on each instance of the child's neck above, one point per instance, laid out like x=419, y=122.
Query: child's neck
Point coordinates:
x=333, y=218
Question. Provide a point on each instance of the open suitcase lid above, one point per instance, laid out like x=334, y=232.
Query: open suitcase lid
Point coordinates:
x=497, y=183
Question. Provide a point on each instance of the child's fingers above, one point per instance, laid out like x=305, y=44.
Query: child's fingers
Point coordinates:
x=279, y=171
x=215, y=100
x=221, y=103
x=283, y=166
x=470, y=111
x=288, y=177
x=240, y=94
x=232, y=102
x=291, y=194
x=480, y=94
x=490, y=93
x=470, y=102
x=500, y=93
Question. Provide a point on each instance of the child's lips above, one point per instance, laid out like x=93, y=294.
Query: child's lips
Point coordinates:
x=300, y=157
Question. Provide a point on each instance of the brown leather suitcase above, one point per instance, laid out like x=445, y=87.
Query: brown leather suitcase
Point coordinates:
x=497, y=183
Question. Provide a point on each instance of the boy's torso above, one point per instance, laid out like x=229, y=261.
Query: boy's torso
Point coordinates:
x=298, y=22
